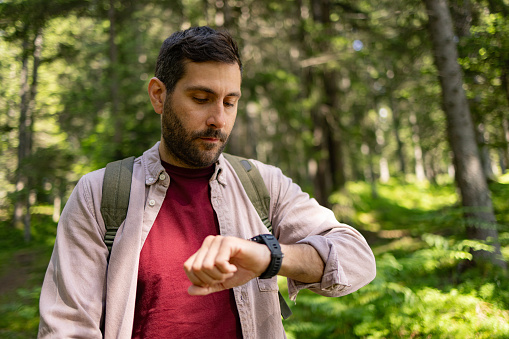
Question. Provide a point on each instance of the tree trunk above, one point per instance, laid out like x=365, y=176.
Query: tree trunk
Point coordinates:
x=328, y=145
x=57, y=206
x=322, y=178
x=369, y=170
x=227, y=14
x=318, y=165
x=498, y=6
x=484, y=152
x=25, y=123
x=505, y=123
x=355, y=154
x=461, y=14
x=475, y=195
x=396, y=120
x=334, y=138
x=25, y=196
x=114, y=83
x=31, y=196
x=420, y=174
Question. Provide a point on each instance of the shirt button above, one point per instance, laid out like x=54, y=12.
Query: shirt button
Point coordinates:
x=151, y=202
x=162, y=177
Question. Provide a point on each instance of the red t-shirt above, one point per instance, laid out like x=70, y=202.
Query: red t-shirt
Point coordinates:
x=163, y=308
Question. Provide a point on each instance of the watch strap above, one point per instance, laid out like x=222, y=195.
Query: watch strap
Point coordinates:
x=276, y=255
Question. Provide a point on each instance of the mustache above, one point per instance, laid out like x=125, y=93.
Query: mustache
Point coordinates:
x=211, y=133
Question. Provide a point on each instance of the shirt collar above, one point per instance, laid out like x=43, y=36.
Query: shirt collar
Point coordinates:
x=153, y=167
x=152, y=164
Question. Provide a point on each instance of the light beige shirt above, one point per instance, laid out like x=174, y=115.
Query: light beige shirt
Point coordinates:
x=82, y=297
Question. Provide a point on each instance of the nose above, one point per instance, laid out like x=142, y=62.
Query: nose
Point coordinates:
x=217, y=118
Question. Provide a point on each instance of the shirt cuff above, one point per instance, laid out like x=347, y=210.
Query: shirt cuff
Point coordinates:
x=334, y=282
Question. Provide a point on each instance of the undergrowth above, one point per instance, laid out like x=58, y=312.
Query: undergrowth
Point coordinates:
x=425, y=287
x=22, y=267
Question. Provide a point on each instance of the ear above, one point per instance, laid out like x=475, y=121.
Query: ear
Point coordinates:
x=157, y=94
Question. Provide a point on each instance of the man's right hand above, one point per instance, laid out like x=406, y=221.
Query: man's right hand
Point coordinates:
x=225, y=262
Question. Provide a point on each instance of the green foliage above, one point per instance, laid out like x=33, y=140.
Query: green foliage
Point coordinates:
x=20, y=316
x=22, y=268
x=289, y=52
x=398, y=205
x=499, y=190
x=422, y=288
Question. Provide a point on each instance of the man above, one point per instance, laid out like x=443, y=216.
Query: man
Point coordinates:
x=181, y=265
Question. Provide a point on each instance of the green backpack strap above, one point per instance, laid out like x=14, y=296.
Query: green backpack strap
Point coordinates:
x=257, y=192
x=253, y=185
x=115, y=199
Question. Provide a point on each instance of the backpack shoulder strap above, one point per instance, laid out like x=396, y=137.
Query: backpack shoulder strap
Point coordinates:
x=254, y=186
x=115, y=196
x=257, y=192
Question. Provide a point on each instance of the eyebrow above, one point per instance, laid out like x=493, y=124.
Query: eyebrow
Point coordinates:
x=208, y=90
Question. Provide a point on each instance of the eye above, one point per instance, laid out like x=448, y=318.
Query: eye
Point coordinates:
x=230, y=101
x=200, y=100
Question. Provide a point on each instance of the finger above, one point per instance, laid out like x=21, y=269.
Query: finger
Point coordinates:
x=208, y=261
x=188, y=264
x=224, y=255
x=197, y=290
x=201, y=267
x=218, y=256
x=190, y=270
x=208, y=277
x=200, y=254
x=213, y=269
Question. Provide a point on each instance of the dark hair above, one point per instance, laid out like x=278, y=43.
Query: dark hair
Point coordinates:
x=197, y=44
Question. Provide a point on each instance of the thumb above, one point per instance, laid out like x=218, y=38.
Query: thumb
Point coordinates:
x=204, y=290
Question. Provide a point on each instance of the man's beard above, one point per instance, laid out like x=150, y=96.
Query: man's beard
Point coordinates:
x=184, y=145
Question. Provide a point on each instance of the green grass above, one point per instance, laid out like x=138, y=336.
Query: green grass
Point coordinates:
x=423, y=288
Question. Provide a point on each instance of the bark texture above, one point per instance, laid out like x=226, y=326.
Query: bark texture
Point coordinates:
x=25, y=197
x=475, y=194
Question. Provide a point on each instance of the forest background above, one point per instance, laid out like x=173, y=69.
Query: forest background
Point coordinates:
x=395, y=114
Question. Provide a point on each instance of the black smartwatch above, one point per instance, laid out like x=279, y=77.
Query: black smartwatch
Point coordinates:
x=276, y=256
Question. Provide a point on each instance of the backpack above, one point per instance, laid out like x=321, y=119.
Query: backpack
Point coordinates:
x=117, y=188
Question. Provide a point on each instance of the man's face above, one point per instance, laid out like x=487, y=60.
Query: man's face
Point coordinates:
x=199, y=114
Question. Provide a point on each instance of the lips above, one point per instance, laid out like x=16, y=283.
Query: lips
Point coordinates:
x=212, y=136
x=210, y=139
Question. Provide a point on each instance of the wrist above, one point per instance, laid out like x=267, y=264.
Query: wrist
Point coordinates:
x=276, y=255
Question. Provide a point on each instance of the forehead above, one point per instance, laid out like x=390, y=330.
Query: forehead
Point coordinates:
x=217, y=76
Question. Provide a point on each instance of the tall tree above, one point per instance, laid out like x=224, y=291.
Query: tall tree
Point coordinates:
x=33, y=16
x=475, y=195
x=31, y=48
x=502, y=61
x=462, y=17
x=29, y=33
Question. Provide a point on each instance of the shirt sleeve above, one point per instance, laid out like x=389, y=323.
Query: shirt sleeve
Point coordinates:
x=72, y=296
x=297, y=218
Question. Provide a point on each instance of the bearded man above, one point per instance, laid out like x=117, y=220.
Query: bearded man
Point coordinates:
x=182, y=264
